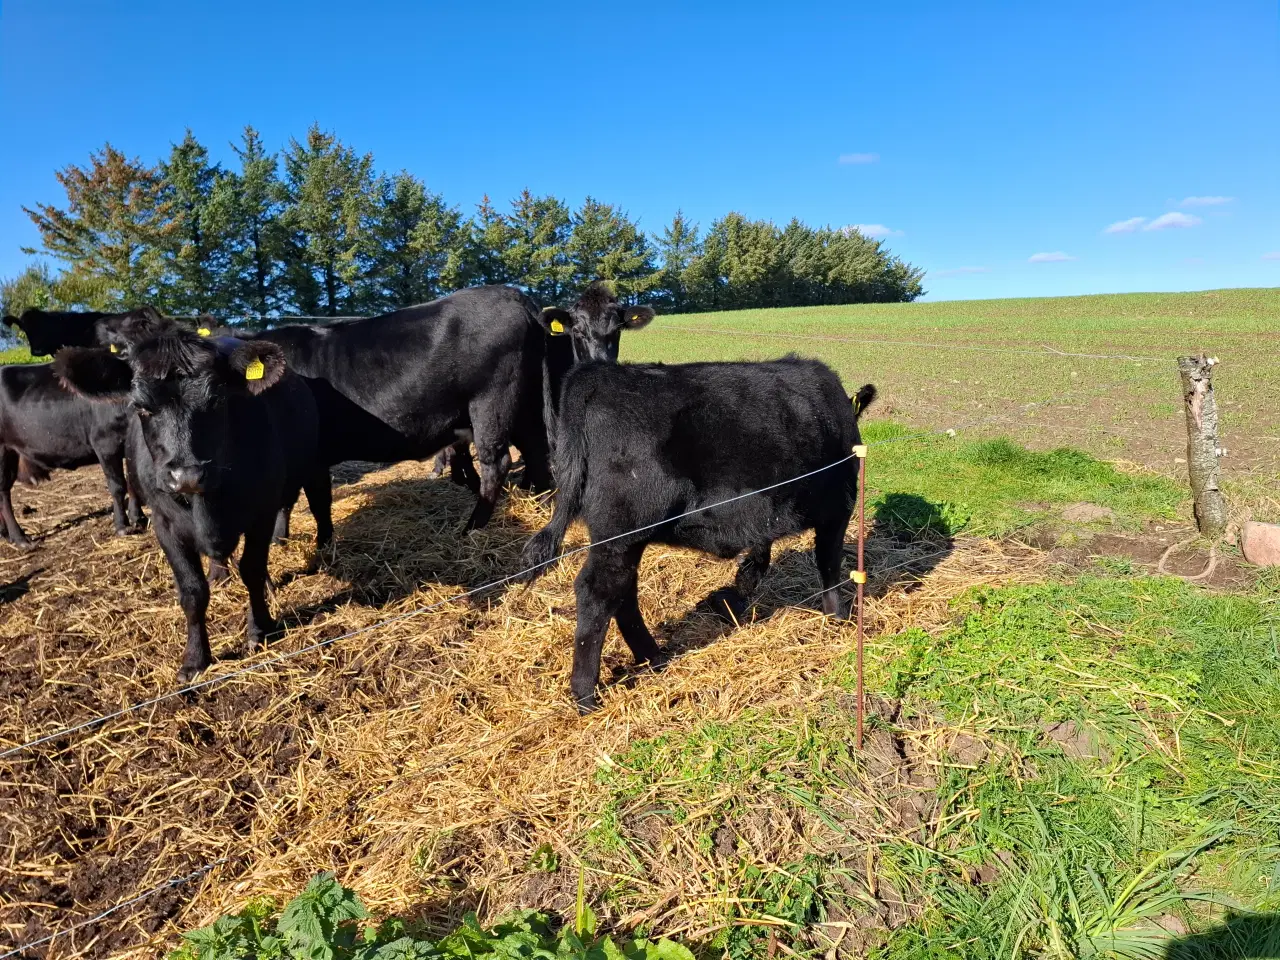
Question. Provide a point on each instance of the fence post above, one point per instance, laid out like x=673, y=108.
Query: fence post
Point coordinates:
x=1202, y=443
x=859, y=576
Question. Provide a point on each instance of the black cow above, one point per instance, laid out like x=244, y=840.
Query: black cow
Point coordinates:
x=475, y=366
x=48, y=331
x=44, y=427
x=224, y=436
x=590, y=329
x=639, y=445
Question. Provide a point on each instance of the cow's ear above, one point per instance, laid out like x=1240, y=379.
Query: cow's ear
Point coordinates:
x=260, y=363
x=93, y=373
x=205, y=325
x=556, y=321
x=633, y=318
x=10, y=321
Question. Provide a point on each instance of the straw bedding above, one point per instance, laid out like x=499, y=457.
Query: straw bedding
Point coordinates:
x=425, y=761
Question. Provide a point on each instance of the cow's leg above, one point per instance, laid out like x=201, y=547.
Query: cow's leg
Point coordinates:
x=535, y=454
x=137, y=519
x=113, y=469
x=253, y=571
x=735, y=602
x=631, y=623
x=492, y=431
x=752, y=570
x=8, y=477
x=319, y=492
x=462, y=470
x=281, y=532
x=600, y=589
x=218, y=572
x=828, y=547
x=440, y=463
x=193, y=595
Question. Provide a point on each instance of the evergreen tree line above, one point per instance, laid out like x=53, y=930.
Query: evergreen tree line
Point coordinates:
x=317, y=231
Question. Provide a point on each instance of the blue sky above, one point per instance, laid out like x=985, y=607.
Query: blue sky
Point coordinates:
x=996, y=142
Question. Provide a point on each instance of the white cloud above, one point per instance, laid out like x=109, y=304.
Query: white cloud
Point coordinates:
x=957, y=271
x=847, y=158
x=1056, y=257
x=1170, y=221
x=1206, y=201
x=1126, y=226
x=874, y=230
x=1273, y=255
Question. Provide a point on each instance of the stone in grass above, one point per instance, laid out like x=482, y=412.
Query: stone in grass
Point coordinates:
x=1260, y=543
x=1088, y=513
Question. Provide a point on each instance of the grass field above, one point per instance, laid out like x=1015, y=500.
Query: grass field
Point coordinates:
x=993, y=363
x=1068, y=755
x=18, y=355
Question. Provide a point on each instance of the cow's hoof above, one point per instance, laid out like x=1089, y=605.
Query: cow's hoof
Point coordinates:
x=587, y=704
x=729, y=605
x=256, y=640
x=189, y=672
x=24, y=545
x=658, y=662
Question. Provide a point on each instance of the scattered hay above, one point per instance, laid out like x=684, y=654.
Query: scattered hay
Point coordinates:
x=426, y=762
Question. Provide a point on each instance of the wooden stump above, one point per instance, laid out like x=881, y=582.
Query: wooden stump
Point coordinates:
x=1202, y=444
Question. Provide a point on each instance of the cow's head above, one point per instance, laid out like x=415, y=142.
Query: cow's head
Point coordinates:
x=596, y=322
x=48, y=331
x=121, y=331
x=181, y=385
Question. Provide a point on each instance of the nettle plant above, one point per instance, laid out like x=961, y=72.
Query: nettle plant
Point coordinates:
x=327, y=921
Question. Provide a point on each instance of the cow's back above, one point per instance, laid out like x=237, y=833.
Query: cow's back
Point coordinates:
x=48, y=424
x=396, y=386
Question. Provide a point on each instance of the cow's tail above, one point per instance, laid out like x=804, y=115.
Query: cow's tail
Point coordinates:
x=571, y=484
x=862, y=399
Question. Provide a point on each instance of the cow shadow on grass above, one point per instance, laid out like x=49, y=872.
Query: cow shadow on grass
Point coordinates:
x=907, y=540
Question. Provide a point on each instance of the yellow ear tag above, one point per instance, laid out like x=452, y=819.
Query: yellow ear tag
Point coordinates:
x=203, y=331
x=113, y=348
x=557, y=326
x=255, y=370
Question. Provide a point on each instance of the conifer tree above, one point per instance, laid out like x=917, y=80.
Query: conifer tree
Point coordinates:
x=606, y=244
x=112, y=233
x=328, y=194
x=256, y=235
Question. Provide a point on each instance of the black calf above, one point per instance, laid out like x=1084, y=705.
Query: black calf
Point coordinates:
x=44, y=427
x=643, y=444
x=223, y=438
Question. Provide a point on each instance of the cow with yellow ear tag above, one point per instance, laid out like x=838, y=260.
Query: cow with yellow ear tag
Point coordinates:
x=224, y=437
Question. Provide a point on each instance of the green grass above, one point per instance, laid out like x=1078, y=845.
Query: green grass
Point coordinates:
x=993, y=487
x=1180, y=689
x=991, y=367
x=1177, y=693
x=19, y=355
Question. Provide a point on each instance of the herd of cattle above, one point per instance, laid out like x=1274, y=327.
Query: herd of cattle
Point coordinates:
x=221, y=430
